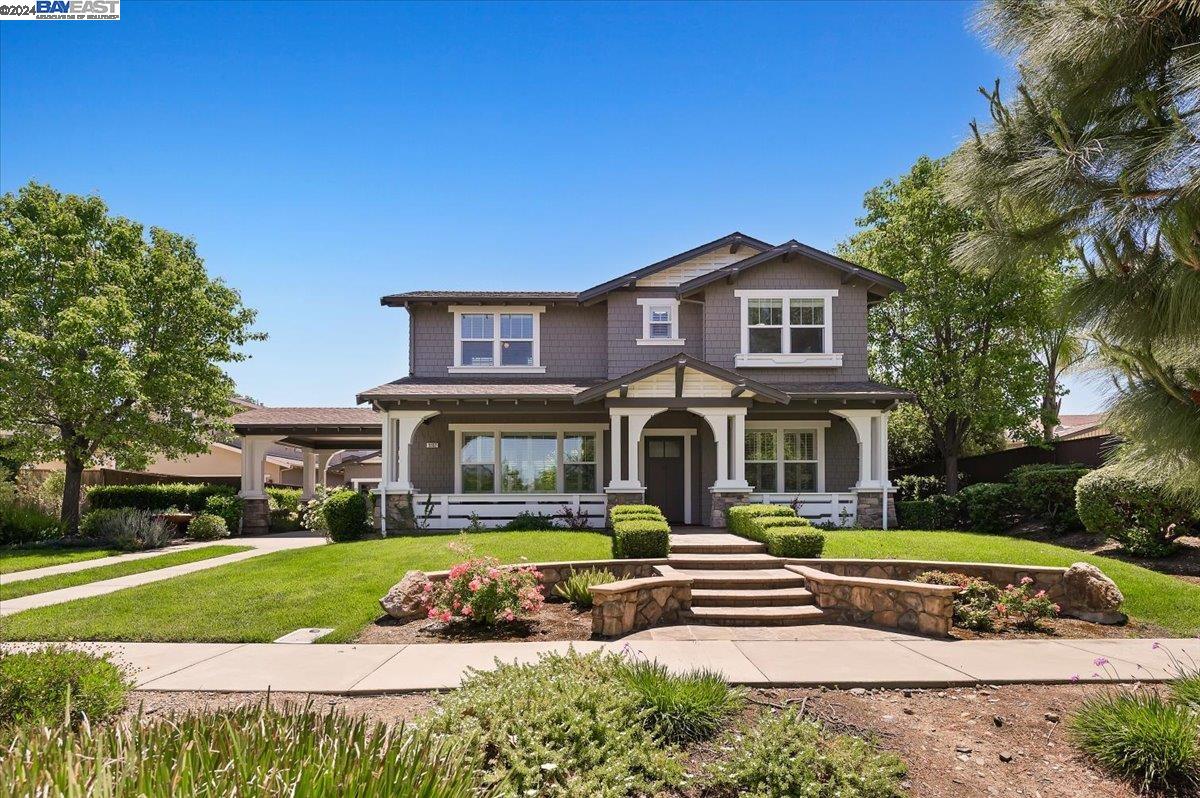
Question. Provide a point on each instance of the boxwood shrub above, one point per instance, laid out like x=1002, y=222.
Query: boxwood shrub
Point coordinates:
x=229, y=508
x=794, y=541
x=629, y=511
x=346, y=514
x=641, y=537
x=738, y=519
x=179, y=495
x=987, y=507
x=207, y=526
x=1138, y=515
x=771, y=521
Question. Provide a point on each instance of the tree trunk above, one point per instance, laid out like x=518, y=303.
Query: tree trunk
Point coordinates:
x=72, y=485
x=1050, y=406
x=951, y=473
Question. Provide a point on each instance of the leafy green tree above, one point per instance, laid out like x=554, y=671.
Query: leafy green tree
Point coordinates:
x=110, y=341
x=1099, y=149
x=958, y=339
x=1059, y=344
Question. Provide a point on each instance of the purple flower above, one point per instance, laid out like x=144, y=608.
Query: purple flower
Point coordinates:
x=1156, y=646
x=1075, y=677
x=1100, y=662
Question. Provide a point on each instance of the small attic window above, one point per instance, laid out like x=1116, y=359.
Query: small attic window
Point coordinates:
x=660, y=322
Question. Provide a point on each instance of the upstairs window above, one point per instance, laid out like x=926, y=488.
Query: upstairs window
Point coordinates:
x=504, y=339
x=786, y=328
x=660, y=322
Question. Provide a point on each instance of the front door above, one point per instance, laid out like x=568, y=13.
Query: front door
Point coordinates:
x=664, y=475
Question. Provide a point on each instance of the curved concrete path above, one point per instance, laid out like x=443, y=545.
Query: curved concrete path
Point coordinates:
x=263, y=544
x=894, y=662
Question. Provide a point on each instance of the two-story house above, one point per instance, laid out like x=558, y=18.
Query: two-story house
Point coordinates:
x=732, y=372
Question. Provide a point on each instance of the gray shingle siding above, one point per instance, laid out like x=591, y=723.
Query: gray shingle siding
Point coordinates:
x=625, y=327
x=723, y=320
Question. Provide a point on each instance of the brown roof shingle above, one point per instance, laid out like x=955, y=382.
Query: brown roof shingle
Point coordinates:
x=305, y=416
x=440, y=388
x=408, y=297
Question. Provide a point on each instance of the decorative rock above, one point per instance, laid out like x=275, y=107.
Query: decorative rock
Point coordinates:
x=406, y=599
x=999, y=721
x=1052, y=717
x=1092, y=596
x=1005, y=756
x=962, y=748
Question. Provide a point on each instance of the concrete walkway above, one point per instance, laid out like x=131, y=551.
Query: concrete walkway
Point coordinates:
x=264, y=544
x=895, y=662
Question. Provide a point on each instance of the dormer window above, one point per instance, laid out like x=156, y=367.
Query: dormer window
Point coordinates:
x=660, y=322
x=503, y=339
x=787, y=329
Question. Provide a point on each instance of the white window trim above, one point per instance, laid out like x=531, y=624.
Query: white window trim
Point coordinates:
x=786, y=359
x=646, y=304
x=560, y=431
x=496, y=311
x=780, y=427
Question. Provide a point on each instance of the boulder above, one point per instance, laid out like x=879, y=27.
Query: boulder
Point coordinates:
x=406, y=599
x=1092, y=596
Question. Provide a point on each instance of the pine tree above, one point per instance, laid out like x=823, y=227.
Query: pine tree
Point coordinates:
x=1099, y=149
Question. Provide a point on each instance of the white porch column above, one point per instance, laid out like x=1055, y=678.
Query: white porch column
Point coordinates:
x=884, y=472
x=718, y=419
x=625, y=447
x=870, y=428
x=254, y=452
x=323, y=458
x=309, y=483
x=637, y=422
x=615, y=438
x=399, y=426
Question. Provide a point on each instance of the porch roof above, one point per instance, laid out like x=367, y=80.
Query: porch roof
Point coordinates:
x=477, y=388
x=680, y=362
x=845, y=390
x=352, y=421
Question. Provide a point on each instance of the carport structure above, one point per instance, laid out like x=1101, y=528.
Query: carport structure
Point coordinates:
x=319, y=433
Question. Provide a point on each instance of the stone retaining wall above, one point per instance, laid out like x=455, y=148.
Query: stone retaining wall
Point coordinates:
x=555, y=572
x=619, y=608
x=998, y=574
x=889, y=603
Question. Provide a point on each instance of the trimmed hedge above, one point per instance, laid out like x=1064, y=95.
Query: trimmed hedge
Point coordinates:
x=1136, y=514
x=346, y=514
x=794, y=541
x=772, y=521
x=282, y=498
x=988, y=507
x=739, y=518
x=155, y=497
x=1047, y=493
x=630, y=511
x=207, y=526
x=229, y=508
x=936, y=512
x=641, y=537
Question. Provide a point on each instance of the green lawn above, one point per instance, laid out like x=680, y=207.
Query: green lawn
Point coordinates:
x=23, y=558
x=1149, y=596
x=43, y=584
x=263, y=598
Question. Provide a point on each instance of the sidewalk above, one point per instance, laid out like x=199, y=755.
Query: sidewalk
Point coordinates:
x=898, y=662
x=264, y=544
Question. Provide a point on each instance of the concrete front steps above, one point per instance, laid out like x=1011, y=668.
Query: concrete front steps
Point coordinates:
x=734, y=583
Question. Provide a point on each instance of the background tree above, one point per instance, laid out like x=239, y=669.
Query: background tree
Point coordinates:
x=1059, y=344
x=960, y=340
x=109, y=340
x=1100, y=148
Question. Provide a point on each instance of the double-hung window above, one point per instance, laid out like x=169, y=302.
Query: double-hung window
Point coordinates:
x=786, y=328
x=784, y=459
x=518, y=461
x=660, y=321
x=500, y=339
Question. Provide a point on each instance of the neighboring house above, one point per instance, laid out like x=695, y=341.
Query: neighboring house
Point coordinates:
x=733, y=372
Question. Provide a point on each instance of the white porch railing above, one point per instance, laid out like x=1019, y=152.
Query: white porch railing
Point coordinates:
x=836, y=508
x=454, y=510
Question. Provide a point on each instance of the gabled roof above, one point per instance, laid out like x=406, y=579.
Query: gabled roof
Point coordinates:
x=787, y=250
x=476, y=387
x=733, y=241
x=683, y=361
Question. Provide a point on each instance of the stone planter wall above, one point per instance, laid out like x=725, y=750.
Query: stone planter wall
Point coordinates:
x=555, y=572
x=622, y=607
x=889, y=603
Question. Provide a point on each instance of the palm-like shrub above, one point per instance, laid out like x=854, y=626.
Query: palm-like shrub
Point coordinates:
x=681, y=707
x=54, y=684
x=576, y=588
x=245, y=751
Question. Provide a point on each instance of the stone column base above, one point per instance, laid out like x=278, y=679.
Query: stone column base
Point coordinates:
x=721, y=502
x=256, y=516
x=399, y=510
x=870, y=509
x=623, y=496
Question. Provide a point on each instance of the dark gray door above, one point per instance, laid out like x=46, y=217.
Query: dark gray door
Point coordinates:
x=664, y=476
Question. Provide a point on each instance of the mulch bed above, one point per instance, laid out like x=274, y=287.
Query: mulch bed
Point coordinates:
x=556, y=621
x=950, y=739
x=1069, y=628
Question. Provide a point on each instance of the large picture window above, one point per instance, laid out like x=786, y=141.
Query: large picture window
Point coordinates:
x=528, y=461
x=504, y=339
x=780, y=459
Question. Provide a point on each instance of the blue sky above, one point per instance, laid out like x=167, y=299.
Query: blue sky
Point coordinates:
x=324, y=154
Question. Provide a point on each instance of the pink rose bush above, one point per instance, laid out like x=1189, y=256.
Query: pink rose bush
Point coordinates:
x=1023, y=607
x=481, y=591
